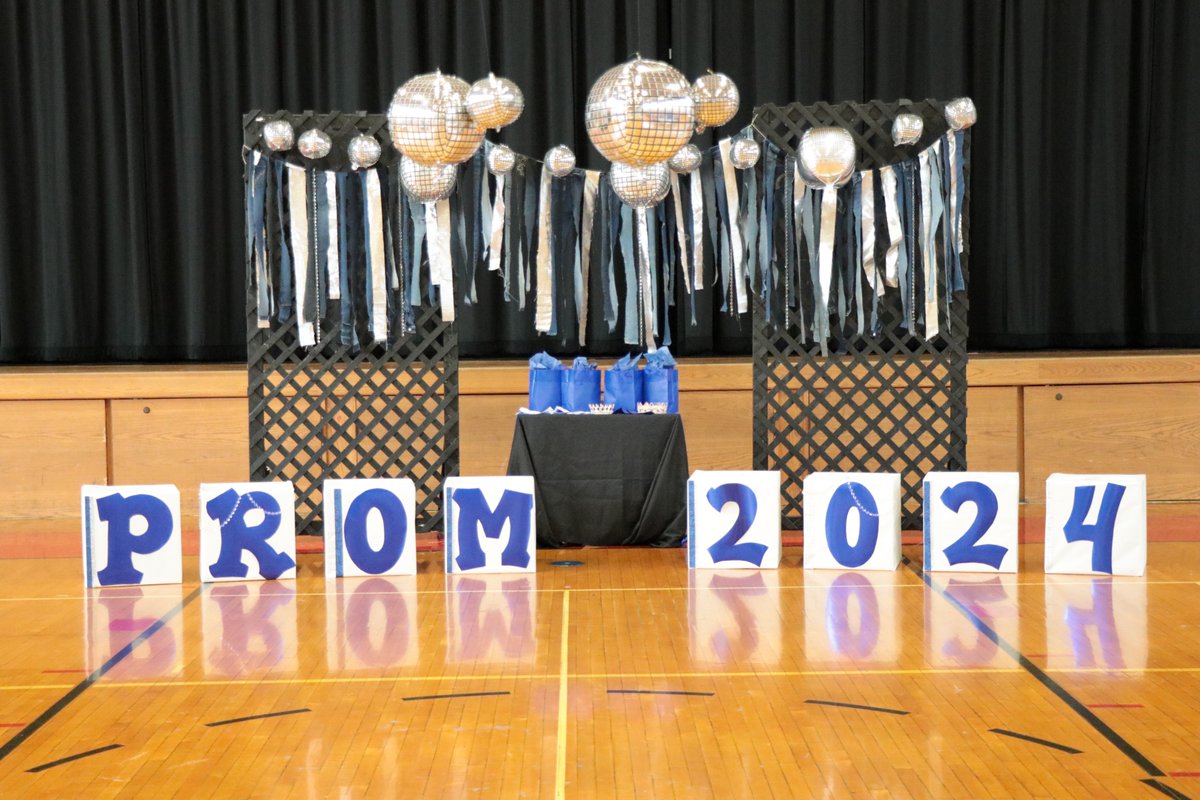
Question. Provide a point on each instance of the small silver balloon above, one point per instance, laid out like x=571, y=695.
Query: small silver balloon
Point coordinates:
x=641, y=187
x=640, y=112
x=960, y=113
x=686, y=160
x=279, y=134
x=560, y=161
x=717, y=99
x=494, y=102
x=427, y=183
x=501, y=160
x=364, y=151
x=429, y=123
x=744, y=152
x=314, y=143
x=907, y=129
x=828, y=154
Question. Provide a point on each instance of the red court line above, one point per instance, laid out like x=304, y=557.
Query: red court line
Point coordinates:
x=1183, y=774
x=12, y=724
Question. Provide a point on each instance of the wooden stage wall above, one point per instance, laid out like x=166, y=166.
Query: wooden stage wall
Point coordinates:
x=1036, y=414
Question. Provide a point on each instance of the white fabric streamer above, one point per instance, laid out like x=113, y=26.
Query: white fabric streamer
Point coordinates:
x=868, y=232
x=644, y=280
x=332, y=254
x=735, y=229
x=544, y=311
x=379, y=326
x=441, y=267
x=931, y=304
x=301, y=263
x=825, y=250
x=955, y=222
x=891, y=276
x=697, y=193
x=591, y=188
x=496, y=245
x=680, y=231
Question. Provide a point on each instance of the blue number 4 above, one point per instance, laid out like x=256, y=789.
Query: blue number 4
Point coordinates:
x=964, y=549
x=728, y=548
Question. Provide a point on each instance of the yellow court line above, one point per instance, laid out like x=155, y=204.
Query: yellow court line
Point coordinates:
x=560, y=761
x=563, y=676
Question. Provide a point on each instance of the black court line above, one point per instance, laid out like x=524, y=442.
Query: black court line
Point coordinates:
x=81, y=687
x=652, y=691
x=1174, y=794
x=75, y=757
x=461, y=694
x=856, y=705
x=257, y=716
x=1036, y=740
x=1114, y=738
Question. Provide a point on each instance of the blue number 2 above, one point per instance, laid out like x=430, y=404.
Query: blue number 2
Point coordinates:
x=727, y=547
x=964, y=550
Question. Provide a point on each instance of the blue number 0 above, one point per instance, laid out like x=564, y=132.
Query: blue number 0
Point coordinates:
x=963, y=550
x=727, y=547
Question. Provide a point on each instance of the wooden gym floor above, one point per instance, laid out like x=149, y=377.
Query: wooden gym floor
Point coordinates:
x=623, y=676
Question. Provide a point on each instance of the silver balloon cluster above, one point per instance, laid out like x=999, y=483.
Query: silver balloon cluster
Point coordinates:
x=501, y=160
x=560, y=161
x=827, y=156
x=278, y=134
x=642, y=113
x=314, y=143
x=364, y=151
x=907, y=129
x=437, y=121
x=960, y=113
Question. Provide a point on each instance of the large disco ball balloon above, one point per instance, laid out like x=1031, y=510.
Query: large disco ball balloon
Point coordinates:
x=907, y=129
x=278, y=134
x=314, y=143
x=501, y=160
x=429, y=123
x=640, y=112
x=686, y=159
x=716, y=97
x=960, y=113
x=744, y=153
x=641, y=187
x=828, y=154
x=560, y=161
x=494, y=102
x=427, y=183
x=364, y=151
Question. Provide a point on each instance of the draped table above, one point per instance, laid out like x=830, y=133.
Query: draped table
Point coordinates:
x=604, y=479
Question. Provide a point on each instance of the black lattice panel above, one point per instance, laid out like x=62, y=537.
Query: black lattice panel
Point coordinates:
x=336, y=411
x=886, y=403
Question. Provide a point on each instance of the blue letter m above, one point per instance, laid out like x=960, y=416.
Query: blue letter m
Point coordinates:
x=515, y=508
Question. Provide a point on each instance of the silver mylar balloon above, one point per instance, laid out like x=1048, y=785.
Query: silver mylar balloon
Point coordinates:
x=641, y=187
x=560, y=160
x=960, y=113
x=279, y=134
x=828, y=154
x=364, y=151
x=640, y=112
x=429, y=123
x=717, y=98
x=427, y=183
x=686, y=160
x=501, y=160
x=744, y=152
x=906, y=129
x=494, y=102
x=314, y=143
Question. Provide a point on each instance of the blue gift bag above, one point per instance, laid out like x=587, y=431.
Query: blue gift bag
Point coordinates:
x=623, y=385
x=545, y=382
x=660, y=381
x=580, y=385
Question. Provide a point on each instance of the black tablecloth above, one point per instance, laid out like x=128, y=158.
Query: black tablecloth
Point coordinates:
x=604, y=479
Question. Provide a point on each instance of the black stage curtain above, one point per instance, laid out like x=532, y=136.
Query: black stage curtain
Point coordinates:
x=120, y=213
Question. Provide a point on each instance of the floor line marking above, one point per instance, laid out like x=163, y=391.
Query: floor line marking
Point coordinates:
x=560, y=748
x=268, y=715
x=880, y=709
x=1089, y=716
x=1044, y=742
x=33, y=727
x=75, y=757
x=1174, y=794
x=662, y=691
x=452, y=696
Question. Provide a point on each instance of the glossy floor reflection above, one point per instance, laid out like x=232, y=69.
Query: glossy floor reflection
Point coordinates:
x=627, y=676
